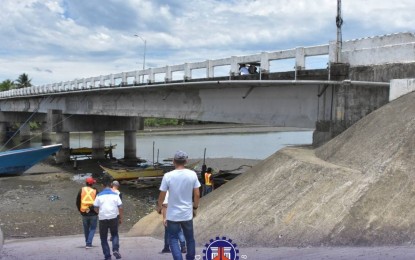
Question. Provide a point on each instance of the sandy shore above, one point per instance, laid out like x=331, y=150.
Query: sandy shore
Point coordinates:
x=41, y=202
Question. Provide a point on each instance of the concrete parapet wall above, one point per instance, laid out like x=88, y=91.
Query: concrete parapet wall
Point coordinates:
x=378, y=41
x=380, y=55
x=400, y=87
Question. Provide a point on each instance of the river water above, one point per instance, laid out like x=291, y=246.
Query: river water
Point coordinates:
x=233, y=145
x=247, y=146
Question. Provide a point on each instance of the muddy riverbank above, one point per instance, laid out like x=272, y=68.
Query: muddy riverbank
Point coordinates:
x=41, y=202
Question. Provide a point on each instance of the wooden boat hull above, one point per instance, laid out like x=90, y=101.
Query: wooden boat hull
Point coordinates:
x=130, y=174
x=18, y=161
x=135, y=173
x=88, y=150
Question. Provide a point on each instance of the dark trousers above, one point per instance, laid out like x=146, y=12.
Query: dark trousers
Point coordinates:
x=112, y=225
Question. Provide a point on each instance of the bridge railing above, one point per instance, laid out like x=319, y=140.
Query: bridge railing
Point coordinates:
x=123, y=78
x=398, y=47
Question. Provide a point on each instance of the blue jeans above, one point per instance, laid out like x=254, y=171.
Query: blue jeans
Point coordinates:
x=208, y=189
x=112, y=225
x=173, y=229
x=90, y=225
x=166, y=238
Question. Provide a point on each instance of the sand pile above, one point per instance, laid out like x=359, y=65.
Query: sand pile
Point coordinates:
x=359, y=190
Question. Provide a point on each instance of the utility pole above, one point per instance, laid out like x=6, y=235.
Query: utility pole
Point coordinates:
x=144, y=53
x=339, y=23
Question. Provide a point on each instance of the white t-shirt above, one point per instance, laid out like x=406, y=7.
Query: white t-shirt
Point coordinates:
x=244, y=71
x=180, y=184
x=108, y=203
x=166, y=199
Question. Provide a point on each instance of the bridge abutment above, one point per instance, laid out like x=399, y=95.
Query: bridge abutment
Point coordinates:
x=341, y=106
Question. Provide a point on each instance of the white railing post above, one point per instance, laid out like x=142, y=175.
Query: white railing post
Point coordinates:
x=299, y=58
x=187, y=72
x=264, y=62
x=151, y=76
x=124, y=79
x=112, y=80
x=137, y=77
x=210, y=70
x=333, y=52
x=168, y=76
x=234, y=66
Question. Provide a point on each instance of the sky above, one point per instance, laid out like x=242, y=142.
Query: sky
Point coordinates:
x=60, y=40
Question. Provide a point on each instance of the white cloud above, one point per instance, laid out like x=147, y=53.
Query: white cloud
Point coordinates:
x=59, y=40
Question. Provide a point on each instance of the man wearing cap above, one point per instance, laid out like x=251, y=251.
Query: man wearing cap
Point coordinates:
x=108, y=205
x=84, y=202
x=182, y=184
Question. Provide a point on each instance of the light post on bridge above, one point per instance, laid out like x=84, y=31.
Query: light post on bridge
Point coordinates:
x=144, y=53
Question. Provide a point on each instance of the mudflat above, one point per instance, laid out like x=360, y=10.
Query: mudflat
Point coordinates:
x=41, y=203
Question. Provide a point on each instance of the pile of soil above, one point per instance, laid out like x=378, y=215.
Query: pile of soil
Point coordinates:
x=356, y=190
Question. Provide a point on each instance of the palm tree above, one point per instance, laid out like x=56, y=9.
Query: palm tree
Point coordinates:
x=6, y=85
x=23, y=81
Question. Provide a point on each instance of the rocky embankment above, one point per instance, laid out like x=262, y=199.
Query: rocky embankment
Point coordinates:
x=358, y=189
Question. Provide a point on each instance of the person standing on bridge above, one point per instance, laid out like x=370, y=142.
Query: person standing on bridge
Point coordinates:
x=182, y=184
x=84, y=202
x=243, y=70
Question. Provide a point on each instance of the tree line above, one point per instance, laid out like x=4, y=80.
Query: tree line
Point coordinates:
x=22, y=81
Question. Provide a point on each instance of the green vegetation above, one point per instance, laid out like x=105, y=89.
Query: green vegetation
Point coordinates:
x=160, y=122
x=22, y=81
x=6, y=85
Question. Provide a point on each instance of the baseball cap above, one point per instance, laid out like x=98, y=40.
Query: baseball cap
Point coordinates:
x=90, y=180
x=116, y=183
x=180, y=156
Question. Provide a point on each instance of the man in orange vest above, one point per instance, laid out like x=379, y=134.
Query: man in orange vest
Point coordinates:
x=84, y=202
x=208, y=181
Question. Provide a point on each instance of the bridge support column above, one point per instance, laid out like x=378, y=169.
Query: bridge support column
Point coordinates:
x=25, y=133
x=63, y=155
x=55, y=119
x=98, y=145
x=3, y=132
x=130, y=147
x=46, y=134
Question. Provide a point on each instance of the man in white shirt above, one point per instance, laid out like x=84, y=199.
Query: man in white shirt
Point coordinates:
x=108, y=205
x=182, y=185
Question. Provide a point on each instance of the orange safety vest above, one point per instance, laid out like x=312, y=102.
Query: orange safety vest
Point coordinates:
x=88, y=195
x=207, y=179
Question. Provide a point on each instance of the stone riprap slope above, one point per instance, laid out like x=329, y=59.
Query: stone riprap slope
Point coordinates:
x=359, y=190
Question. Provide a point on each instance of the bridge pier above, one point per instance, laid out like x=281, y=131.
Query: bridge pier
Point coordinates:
x=98, y=145
x=46, y=133
x=130, y=147
x=63, y=155
x=3, y=131
x=25, y=133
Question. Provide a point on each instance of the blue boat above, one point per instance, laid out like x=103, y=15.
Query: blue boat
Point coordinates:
x=18, y=161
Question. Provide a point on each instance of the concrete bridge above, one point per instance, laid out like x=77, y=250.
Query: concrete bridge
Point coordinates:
x=328, y=100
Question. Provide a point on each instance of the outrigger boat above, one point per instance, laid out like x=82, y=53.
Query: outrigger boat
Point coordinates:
x=18, y=161
x=133, y=173
x=87, y=151
x=158, y=170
